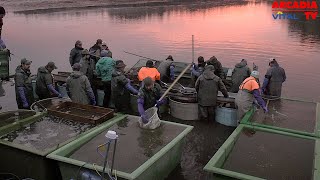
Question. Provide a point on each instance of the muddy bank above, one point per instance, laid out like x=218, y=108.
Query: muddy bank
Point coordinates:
x=46, y=6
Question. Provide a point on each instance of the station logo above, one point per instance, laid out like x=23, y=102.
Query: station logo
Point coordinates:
x=292, y=9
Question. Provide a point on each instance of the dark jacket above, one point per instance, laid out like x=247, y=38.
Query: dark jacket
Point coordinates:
x=218, y=70
x=95, y=50
x=276, y=76
x=164, y=70
x=75, y=55
x=22, y=79
x=207, y=87
x=78, y=86
x=150, y=97
x=239, y=74
x=44, y=78
x=119, y=93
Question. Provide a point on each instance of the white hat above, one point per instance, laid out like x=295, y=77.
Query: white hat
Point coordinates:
x=255, y=74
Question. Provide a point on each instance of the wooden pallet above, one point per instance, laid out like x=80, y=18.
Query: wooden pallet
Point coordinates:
x=82, y=113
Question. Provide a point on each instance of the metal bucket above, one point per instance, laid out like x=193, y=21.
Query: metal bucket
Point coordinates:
x=226, y=116
x=41, y=105
x=184, y=111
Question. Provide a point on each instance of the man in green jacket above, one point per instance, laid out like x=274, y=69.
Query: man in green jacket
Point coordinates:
x=44, y=84
x=79, y=88
x=23, y=85
x=104, y=69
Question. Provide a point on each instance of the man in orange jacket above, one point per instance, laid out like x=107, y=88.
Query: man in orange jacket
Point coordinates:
x=149, y=71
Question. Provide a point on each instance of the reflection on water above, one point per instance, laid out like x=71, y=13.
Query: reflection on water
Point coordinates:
x=231, y=32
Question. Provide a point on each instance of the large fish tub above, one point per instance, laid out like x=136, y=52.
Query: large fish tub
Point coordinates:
x=256, y=153
x=140, y=153
x=288, y=115
x=25, y=143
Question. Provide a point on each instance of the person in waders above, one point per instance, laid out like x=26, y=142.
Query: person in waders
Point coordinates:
x=273, y=80
x=148, y=96
x=248, y=92
x=23, y=85
x=121, y=88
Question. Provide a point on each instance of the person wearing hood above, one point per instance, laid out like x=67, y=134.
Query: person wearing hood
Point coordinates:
x=44, y=84
x=105, y=47
x=104, y=69
x=166, y=69
x=217, y=66
x=273, y=79
x=149, y=71
x=197, y=70
x=76, y=53
x=248, y=91
x=121, y=88
x=23, y=85
x=79, y=88
x=207, y=87
x=148, y=96
x=2, y=14
x=240, y=72
x=95, y=51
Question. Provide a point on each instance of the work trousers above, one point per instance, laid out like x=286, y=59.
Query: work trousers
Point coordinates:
x=207, y=112
x=107, y=93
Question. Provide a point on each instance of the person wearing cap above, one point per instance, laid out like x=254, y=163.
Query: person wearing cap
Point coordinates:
x=105, y=47
x=44, y=84
x=240, y=72
x=121, y=88
x=273, y=79
x=148, y=96
x=2, y=14
x=166, y=69
x=104, y=69
x=95, y=51
x=23, y=85
x=248, y=91
x=79, y=88
x=217, y=66
x=76, y=53
x=149, y=71
x=207, y=87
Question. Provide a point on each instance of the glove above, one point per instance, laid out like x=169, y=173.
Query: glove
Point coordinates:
x=25, y=105
x=93, y=102
x=51, y=88
x=60, y=95
x=265, y=109
x=226, y=96
x=144, y=119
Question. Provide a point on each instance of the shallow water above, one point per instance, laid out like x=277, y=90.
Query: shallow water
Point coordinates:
x=10, y=117
x=271, y=156
x=134, y=147
x=47, y=132
x=288, y=114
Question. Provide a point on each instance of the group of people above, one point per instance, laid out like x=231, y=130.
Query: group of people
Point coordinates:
x=210, y=78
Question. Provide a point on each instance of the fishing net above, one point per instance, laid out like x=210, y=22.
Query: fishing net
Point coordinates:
x=153, y=119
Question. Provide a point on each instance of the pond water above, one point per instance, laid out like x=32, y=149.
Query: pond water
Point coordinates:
x=271, y=156
x=47, y=132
